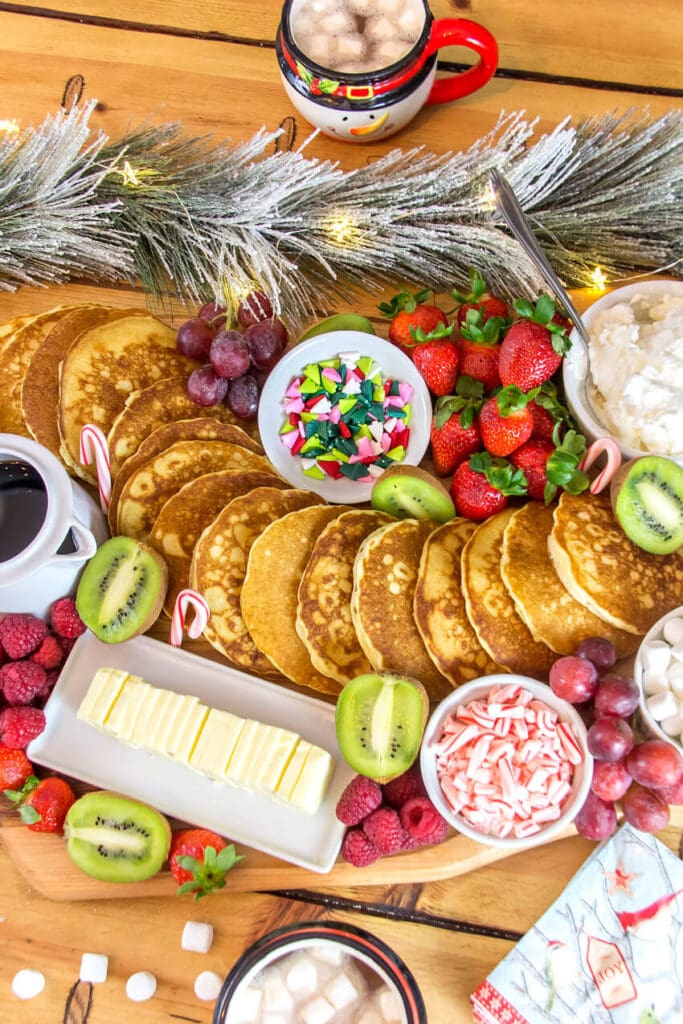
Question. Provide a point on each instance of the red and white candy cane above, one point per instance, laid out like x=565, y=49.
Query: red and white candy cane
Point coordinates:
x=613, y=452
x=94, y=446
x=188, y=599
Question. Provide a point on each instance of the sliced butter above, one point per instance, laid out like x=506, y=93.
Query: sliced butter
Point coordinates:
x=121, y=719
x=311, y=786
x=189, y=734
x=216, y=743
x=267, y=772
x=101, y=696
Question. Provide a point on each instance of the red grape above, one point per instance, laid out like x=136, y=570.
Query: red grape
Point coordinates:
x=243, y=397
x=205, y=387
x=610, y=739
x=599, y=651
x=597, y=819
x=610, y=779
x=194, y=338
x=253, y=309
x=267, y=341
x=573, y=679
x=672, y=794
x=655, y=763
x=213, y=314
x=229, y=354
x=644, y=810
x=616, y=695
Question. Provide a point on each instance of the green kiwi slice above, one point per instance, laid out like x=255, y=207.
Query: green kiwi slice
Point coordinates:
x=411, y=493
x=379, y=721
x=647, y=498
x=115, y=839
x=122, y=589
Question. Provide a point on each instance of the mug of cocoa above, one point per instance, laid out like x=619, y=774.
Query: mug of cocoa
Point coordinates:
x=360, y=70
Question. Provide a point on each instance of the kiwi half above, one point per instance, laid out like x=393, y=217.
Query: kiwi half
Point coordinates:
x=116, y=839
x=407, y=492
x=647, y=498
x=122, y=589
x=379, y=721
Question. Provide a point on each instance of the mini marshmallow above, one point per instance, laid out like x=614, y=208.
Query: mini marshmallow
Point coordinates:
x=301, y=977
x=318, y=1011
x=273, y=1018
x=656, y=657
x=673, y=725
x=337, y=22
x=379, y=28
x=674, y=672
x=27, y=984
x=654, y=682
x=677, y=651
x=245, y=1005
x=368, y=1015
x=94, y=968
x=662, y=705
x=390, y=1005
x=141, y=986
x=197, y=937
x=342, y=992
x=349, y=47
x=410, y=22
x=276, y=997
x=207, y=985
x=676, y=687
x=329, y=953
x=673, y=631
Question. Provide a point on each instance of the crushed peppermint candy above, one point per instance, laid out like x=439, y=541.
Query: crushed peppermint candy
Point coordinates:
x=345, y=420
x=505, y=762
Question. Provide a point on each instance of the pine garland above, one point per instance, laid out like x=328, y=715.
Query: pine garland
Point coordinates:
x=191, y=218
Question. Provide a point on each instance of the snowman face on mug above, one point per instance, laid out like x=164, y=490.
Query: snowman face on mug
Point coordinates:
x=358, y=125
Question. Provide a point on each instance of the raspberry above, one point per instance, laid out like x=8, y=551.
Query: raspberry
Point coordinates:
x=383, y=828
x=50, y=654
x=15, y=768
x=21, y=681
x=358, y=850
x=422, y=821
x=404, y=787
x=21, y=634
x=18, y=726
x=65, y=620
x=361, y=797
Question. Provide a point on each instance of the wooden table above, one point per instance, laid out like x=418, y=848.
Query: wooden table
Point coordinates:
x=211, y=65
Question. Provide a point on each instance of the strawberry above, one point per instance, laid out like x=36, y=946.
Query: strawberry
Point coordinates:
x=533, y=347
x=481, y=486
x=479, y=299
x=454, y=433
x=531, y=458
x=437, y=359
x=199, y=861
x=548, y=466
x=43, y=803
x=15, y=768
x=480, y=348
x=505, y=421
x=408, y=312
x=544, y=424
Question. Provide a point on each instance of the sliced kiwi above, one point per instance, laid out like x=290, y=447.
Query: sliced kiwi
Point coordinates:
x=647, y=498
x=339, y=322
x=379, y=720
x=116, y=839
x=411, y=493
x=122, y=589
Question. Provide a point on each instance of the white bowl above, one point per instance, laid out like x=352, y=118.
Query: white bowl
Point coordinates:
x=393, y=363
x=574, y=369
x=581, y=779
x=655, y=633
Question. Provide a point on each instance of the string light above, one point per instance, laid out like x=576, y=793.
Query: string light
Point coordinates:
x=11, y=126
x=130, y=176
x=341, y=228
x=599, y=280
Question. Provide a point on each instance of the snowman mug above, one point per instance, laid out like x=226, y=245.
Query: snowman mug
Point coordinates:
x=363, y=107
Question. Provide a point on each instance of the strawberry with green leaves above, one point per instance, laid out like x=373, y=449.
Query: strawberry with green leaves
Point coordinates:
x=410, y=312
x=480, y=300
x=550, y=466
x=43, y=803
x=532, y=348
x=480, y=348
x=505, y=421
x=199, y=860
x=482, y=485
x=437, y=359
x=15, y=768
x=455, y=434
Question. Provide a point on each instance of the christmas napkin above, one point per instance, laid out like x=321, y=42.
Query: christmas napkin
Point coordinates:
x=608, y=951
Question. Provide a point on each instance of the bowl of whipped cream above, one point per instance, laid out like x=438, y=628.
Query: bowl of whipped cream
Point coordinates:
x=635, y=376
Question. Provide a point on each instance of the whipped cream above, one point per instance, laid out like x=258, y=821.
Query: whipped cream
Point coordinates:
x=636, y=360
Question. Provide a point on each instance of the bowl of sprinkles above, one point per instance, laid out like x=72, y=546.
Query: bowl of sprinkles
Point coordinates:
x=339, y=409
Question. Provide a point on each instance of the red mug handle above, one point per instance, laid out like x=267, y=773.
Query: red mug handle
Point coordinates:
x=461, y=32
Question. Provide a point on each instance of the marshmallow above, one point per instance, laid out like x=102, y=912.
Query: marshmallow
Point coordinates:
x=342, y=992
x=673, y=724
x=94, y=967
x=207, y=985
x=677, y=651
x=27, y=984
x=656, y=656
x=197, y=937
x=654, y=682
x=318, y=1011
x=369, y=1015
x=329, y=953
x=662, y=705
x=301, y=977
x=276, y=997
x=673, y=631
x=245, y=1005
x=141, y=986
x=390, y=1005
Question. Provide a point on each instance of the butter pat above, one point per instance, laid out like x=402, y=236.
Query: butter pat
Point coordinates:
x=271, y=768
x=252, y=739
x=311, y=786
x=190, y=733
x=216, y=743
x=122, y=717
x=101, y=696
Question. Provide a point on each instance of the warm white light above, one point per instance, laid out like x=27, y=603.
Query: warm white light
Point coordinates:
x=341, y=228
x=599, y=280
x=130, y=175
x=10, y=125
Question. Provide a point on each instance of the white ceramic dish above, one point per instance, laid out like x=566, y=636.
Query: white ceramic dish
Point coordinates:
x=393, y=363
x=574, y=367
x=478, y=688
x=75, y=748
x=654, y=634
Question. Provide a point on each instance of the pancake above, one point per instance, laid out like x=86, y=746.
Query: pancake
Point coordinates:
x=542, y=602
x=276, y=562
x=384, y=579
x=323, y=619
x=439, y=607
x=10, y=328
x=623, y=585
x=103, y=367
x=219, y=565
x=490, y=608
x=186, y=514
x=153, y=483
x=162, y=402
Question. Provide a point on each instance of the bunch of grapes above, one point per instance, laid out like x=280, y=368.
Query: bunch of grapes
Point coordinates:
x=238, y=360
x=645, y=777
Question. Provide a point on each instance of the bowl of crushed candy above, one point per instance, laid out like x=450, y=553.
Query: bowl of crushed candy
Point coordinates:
x=319, y=971
x=338, y=409
x=506, y=762
x=635, y=388
x=658, y=673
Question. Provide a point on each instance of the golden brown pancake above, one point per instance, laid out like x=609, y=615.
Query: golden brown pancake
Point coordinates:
x=600, y=567
x=219, y=565
x=162, y=402
x=103, y=367
x=542, y=602
x=277, y=559
x=153, y=483
x=439, y=607
x=186, y=514
x=10, y=328
x=384, y=579
x=323, y=620
x=490, y=608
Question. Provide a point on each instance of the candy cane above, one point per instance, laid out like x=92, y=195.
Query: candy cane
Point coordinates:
x=185, y=599
x=613, y=452
x=94, y=446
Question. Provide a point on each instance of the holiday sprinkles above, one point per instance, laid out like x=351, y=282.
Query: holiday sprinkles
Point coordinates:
x=344, y=419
